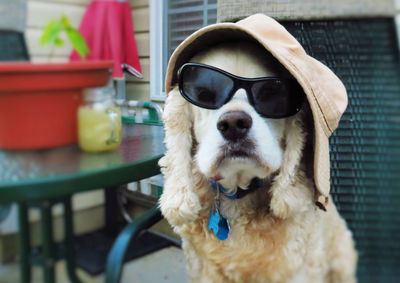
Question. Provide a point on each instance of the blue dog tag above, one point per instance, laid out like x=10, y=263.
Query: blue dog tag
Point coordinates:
x=218, y=224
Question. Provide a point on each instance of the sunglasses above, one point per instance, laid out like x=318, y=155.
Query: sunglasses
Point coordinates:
x=209, y=87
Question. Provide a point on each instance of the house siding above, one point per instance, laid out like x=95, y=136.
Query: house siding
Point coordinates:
x=40, y=12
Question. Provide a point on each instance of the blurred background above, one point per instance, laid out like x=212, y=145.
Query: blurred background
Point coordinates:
x=358, y=40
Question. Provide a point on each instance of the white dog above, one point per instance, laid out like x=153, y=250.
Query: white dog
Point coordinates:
x=275, y=232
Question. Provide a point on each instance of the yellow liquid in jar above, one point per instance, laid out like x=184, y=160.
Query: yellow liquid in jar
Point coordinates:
x=99, y=129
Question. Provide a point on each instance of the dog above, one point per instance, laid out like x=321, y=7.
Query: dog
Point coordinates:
x=276, y=233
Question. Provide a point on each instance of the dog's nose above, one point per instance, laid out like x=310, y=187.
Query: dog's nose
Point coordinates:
x=234, y=125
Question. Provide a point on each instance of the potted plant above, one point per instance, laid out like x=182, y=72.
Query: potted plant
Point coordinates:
x=39, y=101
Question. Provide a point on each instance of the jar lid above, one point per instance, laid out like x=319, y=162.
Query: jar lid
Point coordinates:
x=99, y=93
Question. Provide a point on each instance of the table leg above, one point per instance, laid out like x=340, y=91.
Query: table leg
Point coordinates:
x=47, y=243
x=113, y=218
x=24, y=242
x=69, y=240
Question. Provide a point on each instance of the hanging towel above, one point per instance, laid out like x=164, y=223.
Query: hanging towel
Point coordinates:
x=108, y=29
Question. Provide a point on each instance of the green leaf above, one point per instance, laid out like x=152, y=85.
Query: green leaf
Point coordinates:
x=66, y=24
x=50, y=33
x=78, y=42
x=59, y=42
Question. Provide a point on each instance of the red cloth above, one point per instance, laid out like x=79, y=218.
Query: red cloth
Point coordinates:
x=108, y=29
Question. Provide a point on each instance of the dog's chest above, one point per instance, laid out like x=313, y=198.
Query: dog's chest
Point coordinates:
x=253, y=251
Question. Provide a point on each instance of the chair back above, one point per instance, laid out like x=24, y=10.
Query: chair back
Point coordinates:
x=365, y=149
x=12, y=46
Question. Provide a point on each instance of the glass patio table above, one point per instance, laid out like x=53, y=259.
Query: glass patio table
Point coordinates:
x=42, y=178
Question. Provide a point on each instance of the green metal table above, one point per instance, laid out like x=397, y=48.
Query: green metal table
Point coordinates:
x=43, y=178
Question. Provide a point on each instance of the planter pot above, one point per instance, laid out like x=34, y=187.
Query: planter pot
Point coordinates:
x=39, y=102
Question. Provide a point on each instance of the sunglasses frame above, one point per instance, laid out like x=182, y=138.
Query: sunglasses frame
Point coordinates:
x=238, y=83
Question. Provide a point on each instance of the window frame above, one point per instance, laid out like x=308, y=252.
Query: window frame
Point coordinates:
x=158, y=37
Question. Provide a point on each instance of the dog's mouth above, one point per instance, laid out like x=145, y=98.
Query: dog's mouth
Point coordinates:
x=237, y=165
x=238, y=150
x=237, y=153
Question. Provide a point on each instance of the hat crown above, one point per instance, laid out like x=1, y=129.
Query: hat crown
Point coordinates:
x=325, y=87
x=272, y=32
x=328, y=90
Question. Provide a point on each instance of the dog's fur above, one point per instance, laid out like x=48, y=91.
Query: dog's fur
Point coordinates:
x=277, y=232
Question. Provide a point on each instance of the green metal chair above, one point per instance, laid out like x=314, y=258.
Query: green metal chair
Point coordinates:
x=132, y=112
x=149, y=113
x=142, y=112
x=127, y=236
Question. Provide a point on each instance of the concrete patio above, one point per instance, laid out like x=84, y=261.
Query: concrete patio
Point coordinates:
x=166, y=265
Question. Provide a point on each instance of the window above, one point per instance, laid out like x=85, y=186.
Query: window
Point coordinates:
x=171, y=21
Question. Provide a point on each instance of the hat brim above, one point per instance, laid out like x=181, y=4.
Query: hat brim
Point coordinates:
x=321, y=164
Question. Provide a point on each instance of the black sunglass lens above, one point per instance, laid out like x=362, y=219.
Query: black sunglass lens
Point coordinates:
x=277, y=98
x=205, y=87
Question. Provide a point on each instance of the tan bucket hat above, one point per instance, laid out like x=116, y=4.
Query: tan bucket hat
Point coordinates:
x=325, y=93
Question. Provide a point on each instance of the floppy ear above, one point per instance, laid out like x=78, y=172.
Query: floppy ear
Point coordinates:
x=291, y=190
x=179, y=203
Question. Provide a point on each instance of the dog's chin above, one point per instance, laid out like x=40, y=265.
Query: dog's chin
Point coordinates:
x=238, y=169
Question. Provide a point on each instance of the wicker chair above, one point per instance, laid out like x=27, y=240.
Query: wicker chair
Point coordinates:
x=365, y=149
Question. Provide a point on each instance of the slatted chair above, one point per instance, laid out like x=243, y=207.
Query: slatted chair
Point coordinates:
x=12, y=46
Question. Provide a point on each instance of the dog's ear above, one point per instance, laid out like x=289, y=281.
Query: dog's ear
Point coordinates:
x=291, y=190
x=179, y=204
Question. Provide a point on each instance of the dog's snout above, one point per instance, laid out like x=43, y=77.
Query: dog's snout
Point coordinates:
x=234, y=125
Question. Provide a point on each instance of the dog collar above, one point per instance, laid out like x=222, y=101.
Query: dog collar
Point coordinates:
x=254, y=185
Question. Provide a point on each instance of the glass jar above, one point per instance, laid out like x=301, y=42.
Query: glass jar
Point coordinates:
x=99, y=120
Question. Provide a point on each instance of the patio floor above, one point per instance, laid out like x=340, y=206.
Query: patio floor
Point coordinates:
x=155, y=267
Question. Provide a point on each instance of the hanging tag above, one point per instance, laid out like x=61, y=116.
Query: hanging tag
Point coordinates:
x=223, y=231
x=213, y=221
x=218, y=224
